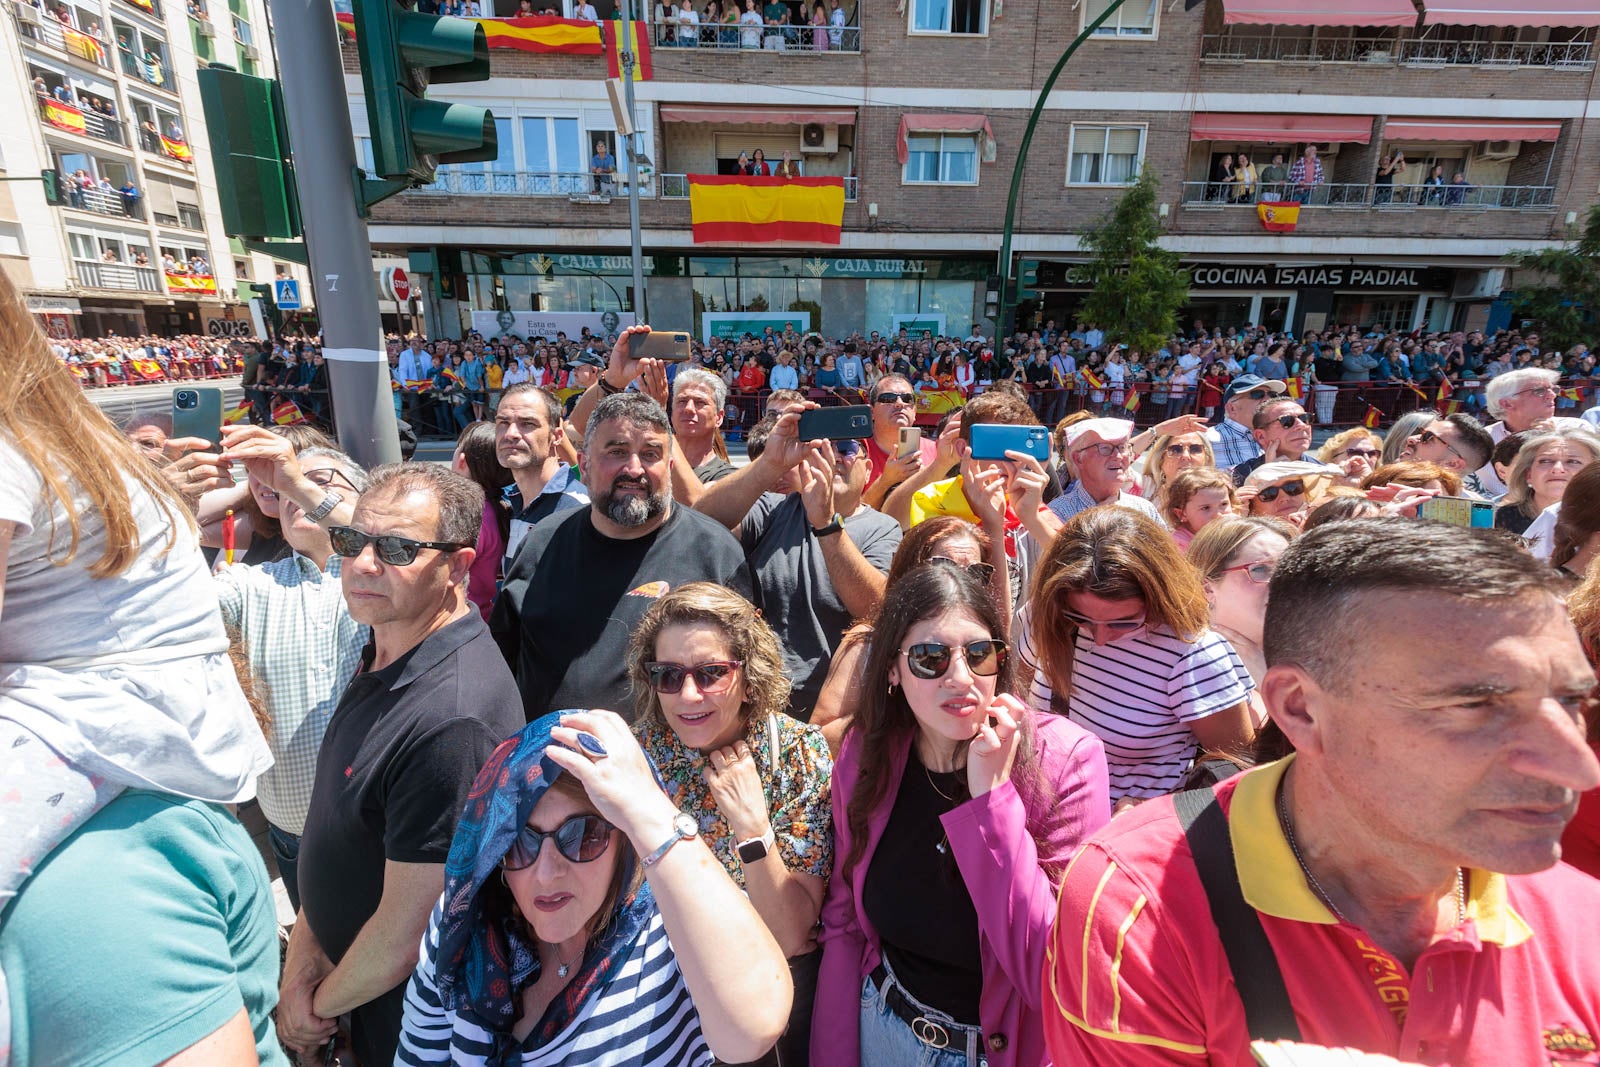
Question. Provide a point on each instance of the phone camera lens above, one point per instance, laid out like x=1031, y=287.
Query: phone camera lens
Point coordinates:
x=187, y=399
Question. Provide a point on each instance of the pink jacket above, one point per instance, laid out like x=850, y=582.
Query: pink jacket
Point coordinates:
x=1015, y=901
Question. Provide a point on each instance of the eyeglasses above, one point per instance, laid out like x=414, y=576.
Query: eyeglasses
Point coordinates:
x=1106, y=451
x=1259, y=572
x=712, y=677
x=1116, y=626
x=1259, y=394
x=1270, y=493
x=1545, y=391
x=325, y=478
x=931, y=659
x=847, y=449
x=895, y=398
x=581, y=839
x=1363, y=453
x=1428, y=437
x=392, y=549
x=1185, y=450
x=1287, y=421
x=981, y=571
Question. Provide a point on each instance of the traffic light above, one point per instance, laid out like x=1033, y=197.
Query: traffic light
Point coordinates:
x=249, y=150
x=402, y=53
x=52, y=186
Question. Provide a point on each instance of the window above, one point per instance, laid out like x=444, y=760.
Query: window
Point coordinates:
x=10, y=239
x=1135, y=18
x=241, y=270
x=242, y=32
x=189, y=216
x=1105, y=155
x=499, y=175
x=554, y=157
x=941, y=159
x=950, y=16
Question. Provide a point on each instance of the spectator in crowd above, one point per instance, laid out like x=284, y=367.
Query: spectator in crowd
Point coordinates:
x=955, y=810
x=1544, y=465
x=603, y=165
x=1580, y=843
x=1233, y=441
x=750, y=23
x=477, y=458
x=149, y=432
x=1099, y=457
x=525, y=428
x=894, y=411
x=710, y=695
x=1414, y=831
x=1575, y=537
x=1196, y=498
x=698, y=399
x=1283, y=431
x=623, y=941
x=1355, y=452
x=1306, y=175
x=431, y=700
x=1523, y=399
x=1282, y=489
x=1235, y=558
x=1170, y=454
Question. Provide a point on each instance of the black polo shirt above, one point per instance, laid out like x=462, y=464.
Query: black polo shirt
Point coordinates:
x=396, y=763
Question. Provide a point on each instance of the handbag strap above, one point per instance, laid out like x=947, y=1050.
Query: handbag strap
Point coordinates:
x=1267, y=1011
x=772, y=744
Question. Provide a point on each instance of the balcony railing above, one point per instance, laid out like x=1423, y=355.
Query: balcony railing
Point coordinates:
x=94, y=274
x=1245, y=48
x=1563, y=55
x=812, y=40
x=42, y=28
x=676, y=187
x=1227, y=47
x=1368, y=195
x=81, y=120
x=103, y=203
x=519, y=183
x=151, y=71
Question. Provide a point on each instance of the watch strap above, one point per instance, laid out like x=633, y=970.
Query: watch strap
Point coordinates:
x=324, y=509
x=607, y=388
x=832, y=528
x=767, y=841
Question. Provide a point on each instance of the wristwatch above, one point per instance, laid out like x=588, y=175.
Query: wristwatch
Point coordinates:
x=683, y=828
x=324, y=509
x=832, y=528
x=755, y=850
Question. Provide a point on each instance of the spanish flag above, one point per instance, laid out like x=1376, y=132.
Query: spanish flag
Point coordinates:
x=453, y=377
x=1445, y=389
x=347, y=23
x=639, y=45
x=176, y=149
x=734, y=209
x=419, y=384
x=191, y=283
x=543, y=33
x=284, y=413
x=1372, y=418
x=1280, y=216
x=83, y=46
x=236, y=415
x=1091, y=379
x=1415, y=388
x=1573, y=394
x=147, y=6
x=63, y=116
x=1450, y=407
x=1296, y=390
x=1131, y=404
x=147, y=368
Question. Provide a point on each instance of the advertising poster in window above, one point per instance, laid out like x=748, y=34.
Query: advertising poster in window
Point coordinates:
x=735, y=324
x=523, y=325
x=915, y=325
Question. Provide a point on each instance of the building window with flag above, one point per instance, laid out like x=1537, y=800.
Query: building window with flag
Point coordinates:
x=1105, y=155
x=1134, y=19
x=950, y=16
x=941, y=159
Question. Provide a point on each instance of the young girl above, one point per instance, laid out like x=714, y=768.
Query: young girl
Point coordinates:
x=1195, y=497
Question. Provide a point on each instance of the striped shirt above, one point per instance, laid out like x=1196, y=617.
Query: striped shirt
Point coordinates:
x=1139, y=694
x=642, y=1018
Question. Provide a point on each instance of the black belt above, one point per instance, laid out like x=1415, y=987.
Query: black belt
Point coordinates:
x=930, y=1032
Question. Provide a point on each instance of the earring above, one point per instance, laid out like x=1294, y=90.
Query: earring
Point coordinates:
x=503, y=878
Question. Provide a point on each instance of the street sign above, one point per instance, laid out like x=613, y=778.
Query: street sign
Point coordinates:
x=286, y=294
x=397, y=284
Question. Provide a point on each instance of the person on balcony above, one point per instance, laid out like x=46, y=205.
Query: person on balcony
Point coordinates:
x=130, y=198
x=1244, y=180
x=1433, y=186
x=819, y=31
x=1221, y=178
x=174, y=131
x=587, y=12
x=1393, y=166
x=837, y=20
x=688, y=25
x=603, y=165
x=64, y=94
x=1456, y=193
x=750, y=26
x=787, y=167
x=1306, y=175
x=776, y=16
x=759, y=167
x=1272, y=176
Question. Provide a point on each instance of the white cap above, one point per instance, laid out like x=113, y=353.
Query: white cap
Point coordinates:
x=1104, y=431
x=1268, y=473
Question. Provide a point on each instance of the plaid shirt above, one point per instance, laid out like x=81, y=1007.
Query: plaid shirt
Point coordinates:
x=1298, y=175
x=1232, y=444
x=304, y=647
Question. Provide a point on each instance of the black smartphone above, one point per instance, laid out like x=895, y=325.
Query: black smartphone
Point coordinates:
x=197, y=412
x=836, y=424
x=669, y=346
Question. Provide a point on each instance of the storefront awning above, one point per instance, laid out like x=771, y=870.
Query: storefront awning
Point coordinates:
x=1280, y=127
x=1319, y=13
x=758, y=116
x=1511, y=13
x=1470, y=130
x=936, y=122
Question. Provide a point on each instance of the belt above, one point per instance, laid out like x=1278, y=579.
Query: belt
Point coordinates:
x=930, y=1032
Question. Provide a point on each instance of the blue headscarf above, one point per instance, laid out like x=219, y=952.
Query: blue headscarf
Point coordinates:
x=485, y=961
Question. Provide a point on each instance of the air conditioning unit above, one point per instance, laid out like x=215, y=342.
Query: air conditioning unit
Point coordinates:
x=28, y=13
x=249, y=51
x=204, y=28
x=1500, y=150
x=1479, y=284
x=816, y=137
x=1329, y=151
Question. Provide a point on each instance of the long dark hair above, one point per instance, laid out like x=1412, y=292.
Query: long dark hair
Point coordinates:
x=883, y=720
x=476, y=443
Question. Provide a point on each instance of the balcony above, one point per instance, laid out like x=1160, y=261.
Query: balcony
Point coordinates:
x=69, y=118
x=1562, y=55
x=93, y=274
x=102, y=203
x=1215, y=195
x=151, y=70
x=1223, y=48
x=518, y=183
x=1250, y=48
x=676, y=187
x=787, y=40
x=40, y=28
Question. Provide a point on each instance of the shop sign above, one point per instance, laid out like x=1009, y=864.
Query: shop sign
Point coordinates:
x=222, y=324
x=1204, y=275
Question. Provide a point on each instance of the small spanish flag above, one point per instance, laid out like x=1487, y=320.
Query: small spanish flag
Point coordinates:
x=1450, y=407
x=419, y=384
x=347, y=23
x=543, y=33
x=639, y=45
x=1279, y=216
x=1296, y=390
x=1091, y=379
x=732, y=208
x=285, y=413
x=1421, y=393
x=1131, y=404
x=1573, y=394
x=1372, y=418
x=1445, y=389
x=453, y=377
x=236, y=415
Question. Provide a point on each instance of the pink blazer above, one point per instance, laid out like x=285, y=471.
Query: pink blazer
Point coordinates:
x=1015, y=901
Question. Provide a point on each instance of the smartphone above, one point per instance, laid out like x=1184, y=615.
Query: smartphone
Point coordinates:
x=197, y=412
x=1458, y=511
x=990, y=441
x=669, y=346
x=836, y=424
x=910, y=441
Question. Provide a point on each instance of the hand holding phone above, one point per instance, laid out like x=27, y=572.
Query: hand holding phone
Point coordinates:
x=669, y=346
x=197, y=412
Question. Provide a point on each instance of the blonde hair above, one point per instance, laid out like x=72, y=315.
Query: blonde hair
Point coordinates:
x=1519, y=491
x=1215, y=547
x=1155, y=470
x=1416, y=474
x=73, y=446
x=1343, y=440
x=1188, y=483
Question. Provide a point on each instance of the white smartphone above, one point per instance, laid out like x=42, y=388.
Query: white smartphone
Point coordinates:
x=910, y=441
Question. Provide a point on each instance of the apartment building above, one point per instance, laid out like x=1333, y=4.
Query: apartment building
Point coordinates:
x=921, y=105
x=105, y=93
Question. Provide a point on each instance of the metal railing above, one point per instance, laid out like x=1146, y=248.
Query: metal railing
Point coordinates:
x=676, y=187
x=98, y=275
x=152, y=72
x=95, y=124
x=519, y=183
x=1563, y=55
x=814, y=40
x=103, y=203
x=1367, y=194
x=1244, y=48
x=43, y=28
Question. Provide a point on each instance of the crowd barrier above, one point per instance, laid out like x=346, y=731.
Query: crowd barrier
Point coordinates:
x=127, y=371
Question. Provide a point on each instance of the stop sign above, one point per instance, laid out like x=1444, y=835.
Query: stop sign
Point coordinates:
x=399, y=285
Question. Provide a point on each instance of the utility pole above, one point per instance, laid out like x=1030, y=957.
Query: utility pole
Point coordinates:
x=311, y=74
x=625, y=48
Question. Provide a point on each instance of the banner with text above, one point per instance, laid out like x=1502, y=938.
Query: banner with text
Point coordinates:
x=523, y=325
x=915, y=325
x=735, y=324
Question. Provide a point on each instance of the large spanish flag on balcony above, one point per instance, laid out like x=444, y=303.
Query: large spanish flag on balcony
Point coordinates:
x=191, y=283
x=83, y=46
x=63, y=116
x=734, y=209
x=544, y=33
x=176, y=149
x=639, y=45
x=1278, y=215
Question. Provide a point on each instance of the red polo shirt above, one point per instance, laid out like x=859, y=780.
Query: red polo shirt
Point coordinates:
x=878, y=457
x=1135, y=972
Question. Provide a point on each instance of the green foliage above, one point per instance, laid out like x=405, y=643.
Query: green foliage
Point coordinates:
x=1139, y=287
x=1563, y=304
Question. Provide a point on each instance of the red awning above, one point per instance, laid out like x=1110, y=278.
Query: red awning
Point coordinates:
x=933, y=122
x=1470, y=130
x=1511, y=13
x=1280, y=127
x=1319, y=13
x=758, y=116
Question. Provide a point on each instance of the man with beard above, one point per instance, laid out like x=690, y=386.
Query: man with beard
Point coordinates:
x=582, y=582
x=525, y=425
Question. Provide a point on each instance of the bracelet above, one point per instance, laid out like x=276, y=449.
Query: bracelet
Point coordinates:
x=606, y=388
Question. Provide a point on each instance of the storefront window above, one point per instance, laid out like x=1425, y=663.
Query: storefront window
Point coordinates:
x=1389, y=312
x=888, y=297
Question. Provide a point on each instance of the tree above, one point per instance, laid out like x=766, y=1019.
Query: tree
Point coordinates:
x=1138, y=286
x=1564, y=303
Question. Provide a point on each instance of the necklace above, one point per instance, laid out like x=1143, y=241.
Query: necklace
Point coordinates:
x=1316, y=886
x=943, y=847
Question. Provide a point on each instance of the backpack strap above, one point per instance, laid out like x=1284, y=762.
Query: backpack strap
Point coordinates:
x=1267, y=1011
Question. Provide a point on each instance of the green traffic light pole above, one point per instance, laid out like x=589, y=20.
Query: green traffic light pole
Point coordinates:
x=1003, y=311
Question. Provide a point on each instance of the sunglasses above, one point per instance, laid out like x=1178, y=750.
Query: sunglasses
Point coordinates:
x=1363, y=453
x=1116, y=626
x=981, y=571
x=1287, y=421
x=847, y=449
x=1185, y=450
x=1259, y=572
x=895, y=398
x=392, y=549
x=932, y=659
x=1259, y=394
x=581, y=839
x=710, y=678
x=1428, y=437
x=1270, y=493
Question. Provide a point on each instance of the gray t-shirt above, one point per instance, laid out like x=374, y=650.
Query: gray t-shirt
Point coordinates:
x=792, y=587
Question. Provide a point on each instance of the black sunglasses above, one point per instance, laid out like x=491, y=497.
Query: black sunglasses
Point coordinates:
x=1287, y=421
x=895, y=398
x=391, y=548
x=1428, y=437
x=581, y=839
x=932, y=659
x=1270, y=493
x=714, y=677
x=981, y=571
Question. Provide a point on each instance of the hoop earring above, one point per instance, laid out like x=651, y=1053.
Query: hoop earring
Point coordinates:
x=503, y=878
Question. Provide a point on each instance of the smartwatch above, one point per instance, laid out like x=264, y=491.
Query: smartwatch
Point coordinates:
x=832, y=528
x=755, y=850
x=683, y=828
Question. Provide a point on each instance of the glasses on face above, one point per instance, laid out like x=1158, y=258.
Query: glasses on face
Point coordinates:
x=328, y=477
x=847, y=449
x=391, y=548
x=1259, y=394
x=1106, y=451
x=581, y=839
x=710, y=678
x=1259, y=572
x=1428, y=437
x=931, y=659
x=981, y=571
x=1270, y=493
x=1287, y=421
x=1178, y=451
x=1116, y=626
x=1544, y=392
x=1369, y=454
x=895, y=398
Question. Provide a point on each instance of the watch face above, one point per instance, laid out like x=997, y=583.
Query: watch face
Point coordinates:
x=752, y=851
x=685, y=825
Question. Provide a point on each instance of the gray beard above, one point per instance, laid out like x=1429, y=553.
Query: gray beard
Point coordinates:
x=631, y=512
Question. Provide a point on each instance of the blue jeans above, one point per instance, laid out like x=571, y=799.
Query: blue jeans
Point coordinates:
x=887, y=1041
x=286, y=850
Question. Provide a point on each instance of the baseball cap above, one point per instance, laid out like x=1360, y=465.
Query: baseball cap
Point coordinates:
x=1268, y=473
x=587, y=358
x=1246, y=382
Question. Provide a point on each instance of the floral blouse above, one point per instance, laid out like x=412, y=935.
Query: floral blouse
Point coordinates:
x=797, y=791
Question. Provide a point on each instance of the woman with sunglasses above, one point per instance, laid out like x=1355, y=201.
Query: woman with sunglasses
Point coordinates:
x=1235, y=558
x=583, y=921
x=1281, y=490
x=1355, y=452
x=1117, y=633
x=955, y=813
x=1169, y=454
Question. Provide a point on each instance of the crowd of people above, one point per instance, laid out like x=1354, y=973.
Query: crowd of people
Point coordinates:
x=1235, y=179
x=864, y=752
x=117, y=360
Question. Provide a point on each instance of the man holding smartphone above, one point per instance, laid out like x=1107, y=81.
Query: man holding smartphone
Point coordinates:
x=894, y=409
